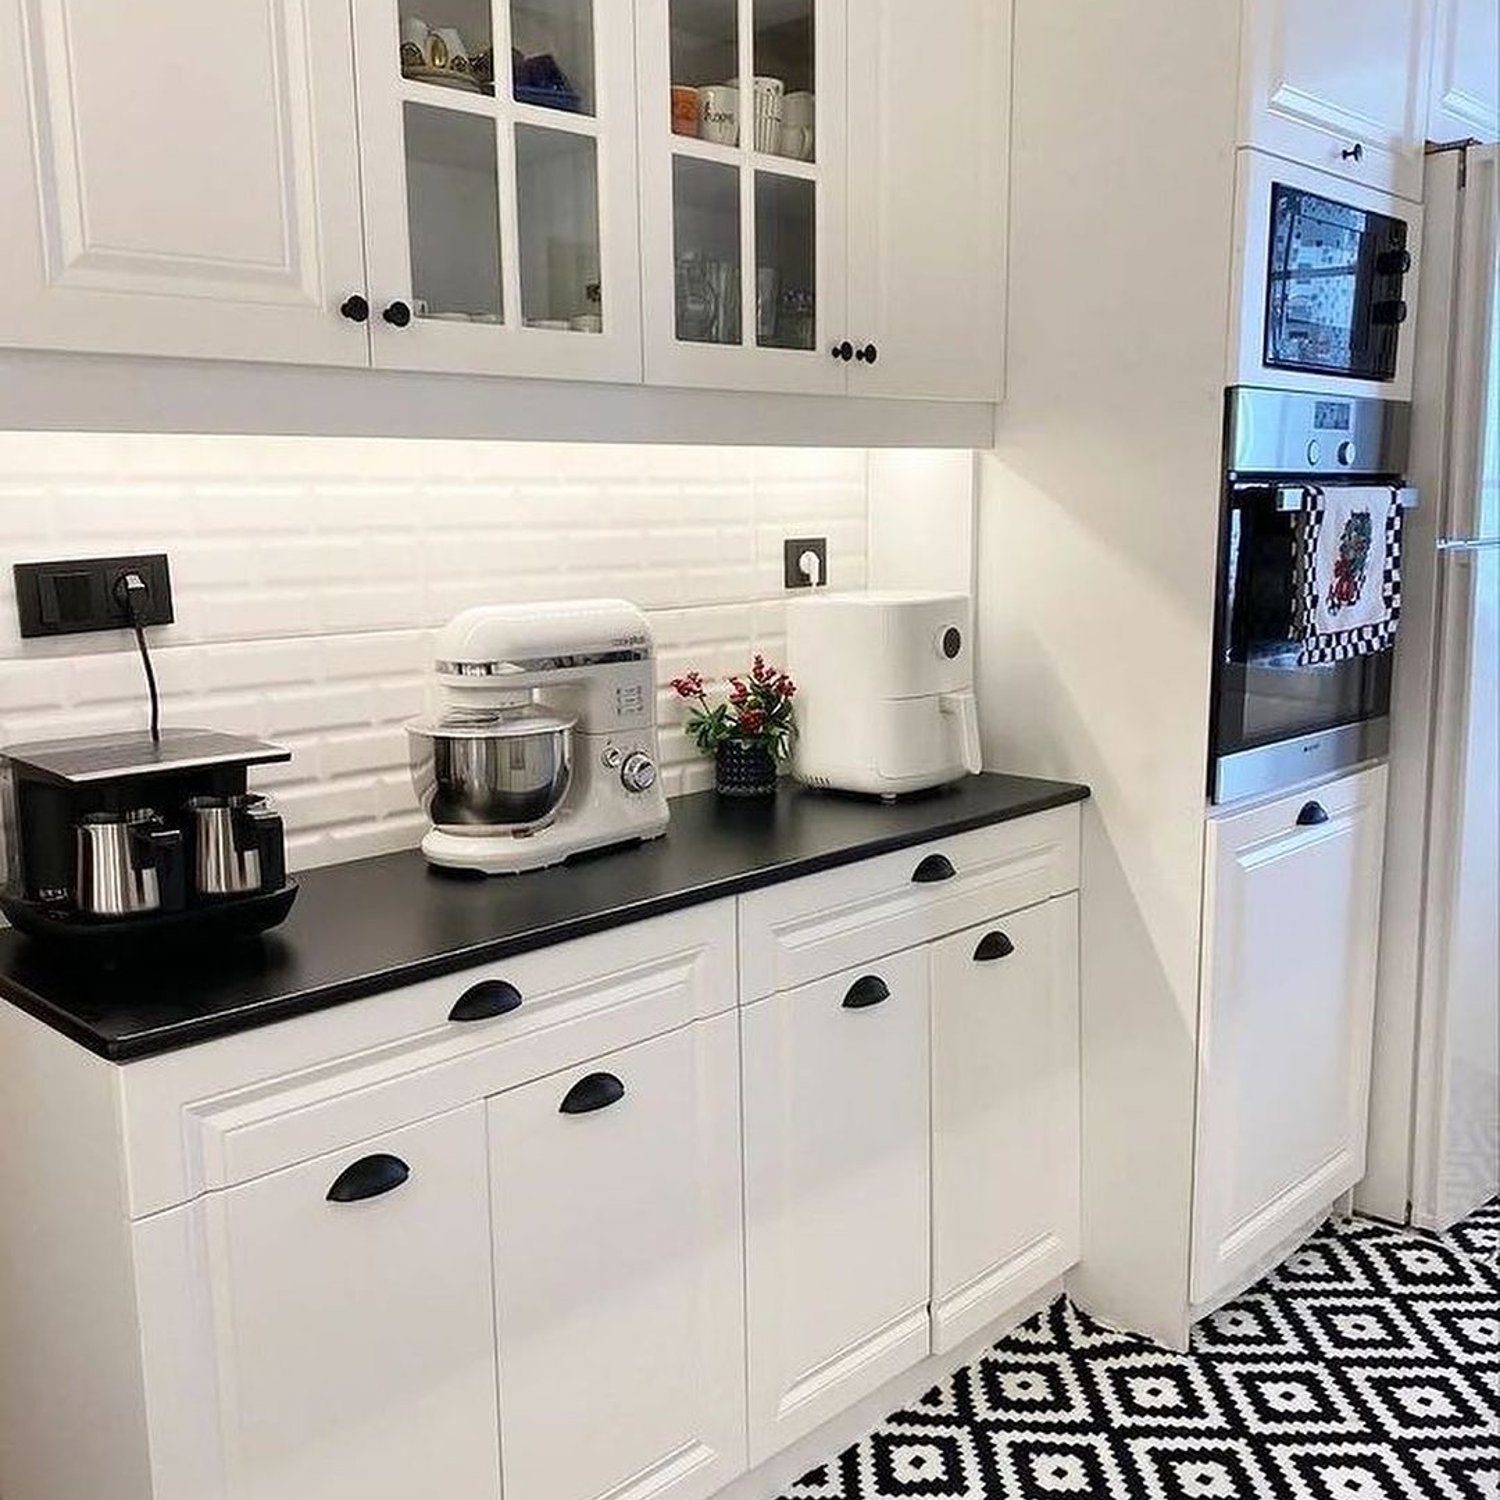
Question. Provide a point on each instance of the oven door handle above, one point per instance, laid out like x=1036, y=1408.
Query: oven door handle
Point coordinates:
x=1295, y=497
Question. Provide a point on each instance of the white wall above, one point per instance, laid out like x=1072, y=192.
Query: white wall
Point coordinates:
x=1097, y=536
x=309, y=574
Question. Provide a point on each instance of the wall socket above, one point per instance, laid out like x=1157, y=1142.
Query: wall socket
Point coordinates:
x=792, y=552
x=72, y=598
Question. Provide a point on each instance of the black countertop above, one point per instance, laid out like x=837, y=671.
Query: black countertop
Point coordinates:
x=376, y=924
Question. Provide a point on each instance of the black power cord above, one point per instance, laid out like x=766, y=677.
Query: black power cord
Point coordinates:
x=131, y=591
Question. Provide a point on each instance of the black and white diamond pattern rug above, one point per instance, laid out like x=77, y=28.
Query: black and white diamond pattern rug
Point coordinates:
x=1366, y=1367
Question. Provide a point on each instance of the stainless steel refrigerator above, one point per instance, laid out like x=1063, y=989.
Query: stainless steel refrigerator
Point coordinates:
x=1434, y=1151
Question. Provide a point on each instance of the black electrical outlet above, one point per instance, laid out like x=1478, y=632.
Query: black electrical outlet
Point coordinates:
x=71, y=598
x=793, y=550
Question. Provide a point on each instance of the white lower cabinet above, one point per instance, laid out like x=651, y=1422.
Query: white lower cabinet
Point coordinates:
x=618, y=1274
x=297, y=1346
x=1005, y=1119
x=1291, y=916
x=836, y=1192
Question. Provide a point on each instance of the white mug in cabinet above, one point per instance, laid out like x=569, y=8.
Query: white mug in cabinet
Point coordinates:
x=719, y=114
x=768, y=97
x=799, y=114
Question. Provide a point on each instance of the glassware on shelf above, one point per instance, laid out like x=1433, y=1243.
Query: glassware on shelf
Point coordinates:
x=786, y=252
x=706, y=224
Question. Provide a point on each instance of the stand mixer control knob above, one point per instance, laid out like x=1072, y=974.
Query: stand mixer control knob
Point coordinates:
x=638, y=774
x=611, y=757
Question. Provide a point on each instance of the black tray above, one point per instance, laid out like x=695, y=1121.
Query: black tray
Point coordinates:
x=240, y=917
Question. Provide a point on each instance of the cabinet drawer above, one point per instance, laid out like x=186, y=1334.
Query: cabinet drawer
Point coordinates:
x=794, y=933
x=211, y=1116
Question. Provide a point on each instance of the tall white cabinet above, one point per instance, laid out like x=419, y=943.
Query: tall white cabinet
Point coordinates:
x=1465, y=93
x=180, y=186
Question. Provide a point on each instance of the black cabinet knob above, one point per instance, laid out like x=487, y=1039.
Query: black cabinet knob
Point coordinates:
x=1393, y=262
x=355, y=308
x=398, y=314
x=868, y=355
x=597, y=1091
x=1312, y=815
x=369, y=1177
x=993, y=946
x=1389, y=312
x=486, y=1000
x=844, y=351
x=934, y=868
x=869, y=990
x=1356, y=152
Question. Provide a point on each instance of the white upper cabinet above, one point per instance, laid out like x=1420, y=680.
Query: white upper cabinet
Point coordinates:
x=1291, y=919
x=1340, y=87
x=1464, y=100
x=929, y=109
x=500, y=214
x=178, y=181
x=743, y=192
x=619, y=1290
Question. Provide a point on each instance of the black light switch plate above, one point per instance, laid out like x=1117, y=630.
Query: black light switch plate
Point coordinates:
x=791, y=553
x=72, y=598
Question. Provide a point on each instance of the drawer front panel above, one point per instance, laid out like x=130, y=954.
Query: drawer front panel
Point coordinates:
x=795, y=933
x=211, y=1116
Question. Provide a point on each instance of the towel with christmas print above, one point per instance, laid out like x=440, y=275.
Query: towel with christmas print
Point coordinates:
x=1348, y=573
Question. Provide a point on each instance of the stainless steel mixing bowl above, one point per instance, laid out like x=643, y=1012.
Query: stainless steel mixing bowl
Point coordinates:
x=503, y=770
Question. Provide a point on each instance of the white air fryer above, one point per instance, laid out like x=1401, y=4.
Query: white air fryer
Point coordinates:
x=885, y=700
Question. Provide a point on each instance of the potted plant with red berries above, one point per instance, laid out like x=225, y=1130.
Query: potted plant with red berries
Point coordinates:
x=749, y=734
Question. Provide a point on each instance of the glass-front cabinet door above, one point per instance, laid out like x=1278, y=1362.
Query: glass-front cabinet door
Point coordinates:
x=498, y=151
x=743, y=167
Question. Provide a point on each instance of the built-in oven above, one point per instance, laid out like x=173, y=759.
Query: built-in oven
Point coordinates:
x=1278, y=718
x=1326, y=282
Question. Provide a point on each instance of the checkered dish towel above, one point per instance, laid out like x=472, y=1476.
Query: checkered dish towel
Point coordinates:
x=1349, y=574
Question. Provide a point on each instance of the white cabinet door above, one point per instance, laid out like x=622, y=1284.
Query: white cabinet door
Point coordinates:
x=619, y=1276
x=1291, y=921
x=836, y=1192
x=500, y=212
x=929, y=109
x=322, y=1347
x=1005, y=1114
x=743, y=203
x=1340, y=88
x=1464, y=101
x=179, y=183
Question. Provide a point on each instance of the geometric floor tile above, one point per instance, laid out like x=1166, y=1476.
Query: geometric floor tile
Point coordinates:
x=1364, y=1367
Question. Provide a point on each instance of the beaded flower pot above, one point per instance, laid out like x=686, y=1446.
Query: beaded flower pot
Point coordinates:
x=742, y=770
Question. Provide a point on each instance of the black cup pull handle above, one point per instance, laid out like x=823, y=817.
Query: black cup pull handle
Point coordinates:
x=934, y=868
x=1312, y=815
x=869, y=990
x=597, y=1091
x=369, y=1177
x=993, y=946
x=486, y=1000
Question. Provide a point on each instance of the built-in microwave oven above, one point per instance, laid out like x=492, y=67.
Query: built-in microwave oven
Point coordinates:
x=1326, y=282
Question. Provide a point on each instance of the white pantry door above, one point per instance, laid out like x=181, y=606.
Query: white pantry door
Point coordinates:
x=180, y=179
x=1292, y=924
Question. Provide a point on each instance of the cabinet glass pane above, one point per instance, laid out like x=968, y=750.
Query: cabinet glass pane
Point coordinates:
x=557, y=202
x=552, y=53
x=705, y=70
x=785, y=76
x=706, y=245
x=786, y=261
x=448, y=43
x=453, y=214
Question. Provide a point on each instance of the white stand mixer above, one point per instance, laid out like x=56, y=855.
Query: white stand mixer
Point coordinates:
x=545, y=744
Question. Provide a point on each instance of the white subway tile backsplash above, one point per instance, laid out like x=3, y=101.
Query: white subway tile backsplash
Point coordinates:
x=310, y=575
